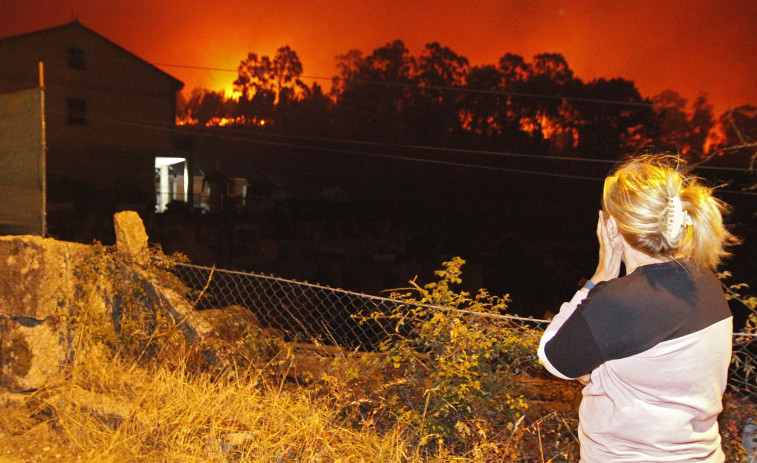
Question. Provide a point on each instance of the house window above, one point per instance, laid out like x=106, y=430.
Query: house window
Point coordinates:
x=76, y=111
x=76, y=58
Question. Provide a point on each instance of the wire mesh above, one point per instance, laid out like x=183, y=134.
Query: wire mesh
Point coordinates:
x=313, y=313
x=301, y=311
x=742, y=378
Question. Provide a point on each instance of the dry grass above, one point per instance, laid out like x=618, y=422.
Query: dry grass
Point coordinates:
x=143, y=393
x=111, y=410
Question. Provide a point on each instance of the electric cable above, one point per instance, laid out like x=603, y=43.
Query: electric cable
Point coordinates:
x=205, y=133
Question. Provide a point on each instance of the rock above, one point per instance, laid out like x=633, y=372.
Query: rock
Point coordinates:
x=31, y=352
x=235, y=338
x=36, y=282
x=232, y=323
x=190, y=322
x=45, y=284
x=37, y=275
x=131, y=242
x=131, y=238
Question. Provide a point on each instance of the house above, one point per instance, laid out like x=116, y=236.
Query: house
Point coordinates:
x=110, y=119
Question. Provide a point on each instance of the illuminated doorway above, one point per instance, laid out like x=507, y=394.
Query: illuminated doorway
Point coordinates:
x=171, y=181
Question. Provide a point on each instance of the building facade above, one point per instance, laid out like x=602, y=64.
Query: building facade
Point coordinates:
x=108, y=113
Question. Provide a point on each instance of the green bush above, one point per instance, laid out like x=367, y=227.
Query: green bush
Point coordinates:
x=453, y=363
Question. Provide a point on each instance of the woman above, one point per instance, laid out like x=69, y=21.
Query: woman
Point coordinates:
x=653, y=346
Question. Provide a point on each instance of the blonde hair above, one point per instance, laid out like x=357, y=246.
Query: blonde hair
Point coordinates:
x=638, y=195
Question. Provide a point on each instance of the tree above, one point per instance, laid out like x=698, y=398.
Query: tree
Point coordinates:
x=493, y=108
x=544, y=115
x=204, y=105
x=348, y=71
x=553, y=67
x=182, y=110
x=286, y=69
x=516, y=73
x=702, y=123
x=391, y=63
x=308, y=114
x=261, y=81
x=253, y=75
x=440, y=66
x=372, y=92
x=670, y=107
x=514, y=69
x=680, y=130
x=611, y=118
x=484, y=112
x=212, y=106
x=740, y=126
x=434, y=110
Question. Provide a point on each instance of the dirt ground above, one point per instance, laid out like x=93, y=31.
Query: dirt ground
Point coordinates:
x=29, y=437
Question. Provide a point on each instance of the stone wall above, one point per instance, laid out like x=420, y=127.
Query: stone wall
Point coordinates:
x=36, y=281
x=39, y=288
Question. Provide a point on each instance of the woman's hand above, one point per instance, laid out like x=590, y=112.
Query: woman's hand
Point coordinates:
x=610, y=249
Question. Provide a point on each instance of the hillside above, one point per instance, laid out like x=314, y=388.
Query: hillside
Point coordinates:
x=104, y=358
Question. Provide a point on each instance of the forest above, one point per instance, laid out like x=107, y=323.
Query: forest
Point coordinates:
x=438, y=100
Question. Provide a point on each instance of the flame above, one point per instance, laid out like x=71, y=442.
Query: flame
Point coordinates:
x=224, y=121
x=240, y=120
x=186, y=120
x=715, y=137
x=552, y=129
x=220, y=122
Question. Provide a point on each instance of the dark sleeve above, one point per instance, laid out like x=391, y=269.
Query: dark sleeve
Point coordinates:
x=573, y=351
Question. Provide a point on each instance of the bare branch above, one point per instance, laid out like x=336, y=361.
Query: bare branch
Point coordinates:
x=735, y=128
x=743, y=143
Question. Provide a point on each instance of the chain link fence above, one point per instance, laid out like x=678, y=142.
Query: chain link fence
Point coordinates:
x=308, y=313
x=301, y=311
x=312, y=313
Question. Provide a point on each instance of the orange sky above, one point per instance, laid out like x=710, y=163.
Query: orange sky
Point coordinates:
x=690, y=46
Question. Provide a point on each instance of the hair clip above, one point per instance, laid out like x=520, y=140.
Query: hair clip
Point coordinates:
x=676, y=219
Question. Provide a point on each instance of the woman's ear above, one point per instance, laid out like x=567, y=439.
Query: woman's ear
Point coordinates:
x=612, y=227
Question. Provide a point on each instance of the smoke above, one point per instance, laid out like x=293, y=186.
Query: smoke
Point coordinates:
x=688, y=46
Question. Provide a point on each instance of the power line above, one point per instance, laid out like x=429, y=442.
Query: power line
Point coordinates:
x=468, y=165
x=446, y=88
x=247, y=139
x=368, y=153
x=518, y=94
x=445, y=149
x=145, y=92
x=201, y=68
x=479, y=152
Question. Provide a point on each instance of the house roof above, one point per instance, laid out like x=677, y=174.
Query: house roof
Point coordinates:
x=75, y=24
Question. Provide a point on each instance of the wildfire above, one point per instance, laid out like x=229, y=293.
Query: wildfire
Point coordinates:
x=221, y=122
x=716, y=137
x=551, y=129
x=224, y=121
x=185, y=120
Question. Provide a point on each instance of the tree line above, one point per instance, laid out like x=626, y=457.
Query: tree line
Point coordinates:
x=437, y=99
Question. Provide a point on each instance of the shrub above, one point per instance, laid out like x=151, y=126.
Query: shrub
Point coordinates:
x=452, y=363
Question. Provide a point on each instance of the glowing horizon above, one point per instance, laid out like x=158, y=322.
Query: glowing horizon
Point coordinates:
x=700, y=48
